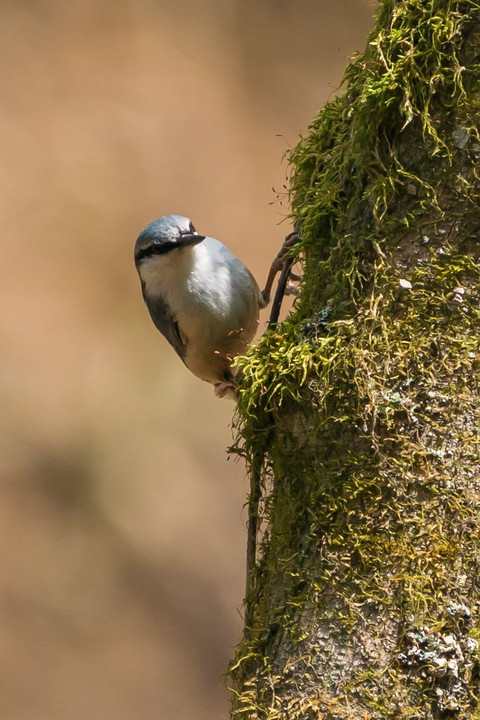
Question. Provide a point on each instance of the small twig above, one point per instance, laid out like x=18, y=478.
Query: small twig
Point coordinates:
x=252, y=531
x=283, y=262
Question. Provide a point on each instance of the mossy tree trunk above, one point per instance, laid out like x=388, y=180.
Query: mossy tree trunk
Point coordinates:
x=359, y=415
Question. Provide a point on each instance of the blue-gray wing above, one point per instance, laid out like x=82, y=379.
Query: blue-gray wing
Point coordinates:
x=165, y=321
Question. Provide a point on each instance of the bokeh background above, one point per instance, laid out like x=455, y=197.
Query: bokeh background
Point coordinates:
x=122, y=527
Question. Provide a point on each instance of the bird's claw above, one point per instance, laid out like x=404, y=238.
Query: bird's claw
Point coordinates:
x=292, y=289
x=282, y=263
x=279, y=263
x=225, y=390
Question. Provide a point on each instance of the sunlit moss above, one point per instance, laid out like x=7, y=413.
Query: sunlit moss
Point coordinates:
x=364, y=428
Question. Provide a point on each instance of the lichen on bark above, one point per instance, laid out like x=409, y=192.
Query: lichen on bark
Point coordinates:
x=359, y=414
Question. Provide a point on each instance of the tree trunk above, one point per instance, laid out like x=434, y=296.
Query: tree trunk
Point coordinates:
x=359, y=415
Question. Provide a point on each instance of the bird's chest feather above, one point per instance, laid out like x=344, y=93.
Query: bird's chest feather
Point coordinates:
x=198, y=289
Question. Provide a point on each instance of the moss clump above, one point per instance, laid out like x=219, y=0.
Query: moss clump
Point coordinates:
x=363, y=422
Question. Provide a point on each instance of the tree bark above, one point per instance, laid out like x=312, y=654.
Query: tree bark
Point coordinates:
x=359, y=415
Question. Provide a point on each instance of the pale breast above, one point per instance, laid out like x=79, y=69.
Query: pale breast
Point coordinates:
x=215, y=301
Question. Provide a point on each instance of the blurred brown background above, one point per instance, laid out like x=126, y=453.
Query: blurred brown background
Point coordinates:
x=122, y=523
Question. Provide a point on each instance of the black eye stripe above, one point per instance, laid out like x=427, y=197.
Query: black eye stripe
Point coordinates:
x=155, y=249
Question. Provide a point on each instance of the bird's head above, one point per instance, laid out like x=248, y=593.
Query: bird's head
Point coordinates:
x=163, y=236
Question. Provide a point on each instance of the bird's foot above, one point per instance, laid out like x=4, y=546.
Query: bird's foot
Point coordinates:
x=279, y=263
x=292, y=288
x=225, y=390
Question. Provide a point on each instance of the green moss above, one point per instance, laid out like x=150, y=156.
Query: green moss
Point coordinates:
x=363, y=429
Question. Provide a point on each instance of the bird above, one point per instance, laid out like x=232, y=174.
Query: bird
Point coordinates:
x=200, y=296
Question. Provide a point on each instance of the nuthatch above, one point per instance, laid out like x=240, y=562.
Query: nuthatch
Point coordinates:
x=200, y=296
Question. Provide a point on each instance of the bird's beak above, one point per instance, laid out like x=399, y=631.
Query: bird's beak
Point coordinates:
x=187, y=239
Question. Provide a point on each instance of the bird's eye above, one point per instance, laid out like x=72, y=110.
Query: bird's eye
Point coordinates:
x=191, y=228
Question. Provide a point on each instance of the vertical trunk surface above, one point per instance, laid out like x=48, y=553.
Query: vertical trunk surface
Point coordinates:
x=359, y=416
